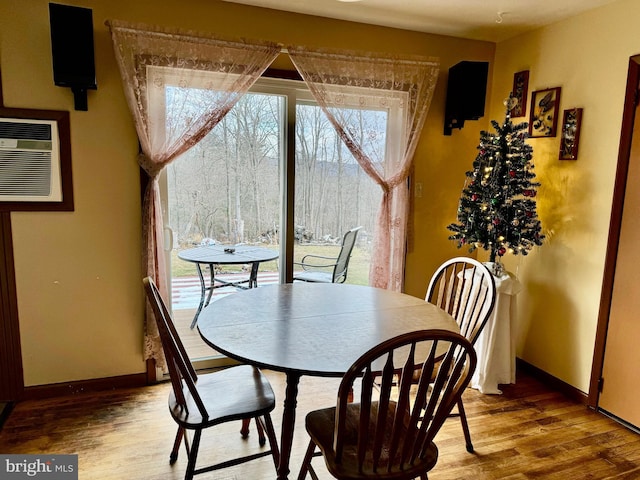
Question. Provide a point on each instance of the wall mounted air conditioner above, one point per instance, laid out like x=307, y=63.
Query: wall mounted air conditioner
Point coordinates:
x=30, y=161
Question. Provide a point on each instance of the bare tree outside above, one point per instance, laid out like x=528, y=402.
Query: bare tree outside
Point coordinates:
x=226, y=188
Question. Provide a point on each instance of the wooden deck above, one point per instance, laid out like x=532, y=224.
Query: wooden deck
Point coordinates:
x=196, y=348
x=185, y=299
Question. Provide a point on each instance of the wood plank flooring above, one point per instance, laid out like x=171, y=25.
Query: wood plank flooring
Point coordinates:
x=195, y=346
x=186, y=295
x=529, y=432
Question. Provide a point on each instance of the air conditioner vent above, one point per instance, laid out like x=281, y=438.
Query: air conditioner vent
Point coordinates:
x=25, y=173
x=25, y=130
x=29, y=160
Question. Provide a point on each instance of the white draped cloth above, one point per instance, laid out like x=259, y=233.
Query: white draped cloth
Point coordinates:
x=495, y=345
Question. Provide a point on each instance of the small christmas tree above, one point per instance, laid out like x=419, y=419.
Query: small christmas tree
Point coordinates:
x=497, y=210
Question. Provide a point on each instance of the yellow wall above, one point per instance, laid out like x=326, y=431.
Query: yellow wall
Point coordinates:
x=79, y=274
x=588, y=57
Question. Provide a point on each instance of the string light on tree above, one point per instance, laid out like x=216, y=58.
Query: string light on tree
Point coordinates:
x=497, y=209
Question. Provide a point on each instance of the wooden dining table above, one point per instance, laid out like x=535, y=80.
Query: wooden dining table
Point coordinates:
x=311, y=329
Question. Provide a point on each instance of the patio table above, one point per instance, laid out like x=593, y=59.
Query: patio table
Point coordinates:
x=213, y=255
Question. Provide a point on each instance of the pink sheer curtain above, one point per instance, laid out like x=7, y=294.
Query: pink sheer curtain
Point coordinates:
x=178, y=86
x=403, y=86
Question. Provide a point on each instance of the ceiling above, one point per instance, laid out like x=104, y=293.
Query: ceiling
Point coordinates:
x=490, y=20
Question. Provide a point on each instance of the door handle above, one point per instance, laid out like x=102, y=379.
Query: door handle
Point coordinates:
x=168, y=239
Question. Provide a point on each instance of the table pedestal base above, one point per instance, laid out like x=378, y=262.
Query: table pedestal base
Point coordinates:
x=288, y=424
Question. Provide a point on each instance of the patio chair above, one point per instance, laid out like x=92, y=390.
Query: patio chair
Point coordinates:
x=389, y=433
x=202, y=401
x=323, y=269
x=465, y=289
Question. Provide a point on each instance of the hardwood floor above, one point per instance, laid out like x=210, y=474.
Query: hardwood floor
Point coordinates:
x=529, y=432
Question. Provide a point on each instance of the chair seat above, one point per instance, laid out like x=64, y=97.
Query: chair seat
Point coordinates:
x=317, y=277
x=234, y=393
x=320, y=425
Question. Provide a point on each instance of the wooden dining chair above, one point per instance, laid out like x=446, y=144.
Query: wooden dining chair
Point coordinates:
x=198, y=402
x=465, y=289
x=389, y=433
x=324, y=269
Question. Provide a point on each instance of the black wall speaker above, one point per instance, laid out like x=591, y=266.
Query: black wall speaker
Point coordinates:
x=72, y=50
x=466, y=91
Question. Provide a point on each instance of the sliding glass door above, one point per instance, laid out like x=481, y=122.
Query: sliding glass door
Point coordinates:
x=274, y=174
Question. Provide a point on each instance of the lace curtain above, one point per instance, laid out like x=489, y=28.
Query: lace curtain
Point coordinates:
x=403, y=86
x=178, y=86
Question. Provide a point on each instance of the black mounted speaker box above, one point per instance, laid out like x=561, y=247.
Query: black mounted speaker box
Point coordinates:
x=466, y=92
x=72, y=50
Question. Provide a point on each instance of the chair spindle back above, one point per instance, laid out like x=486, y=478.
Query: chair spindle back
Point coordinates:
x=396, y=425
x=465, y=289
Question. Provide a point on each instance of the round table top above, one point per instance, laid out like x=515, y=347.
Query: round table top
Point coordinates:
x=313, y=328
x=215, y=254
